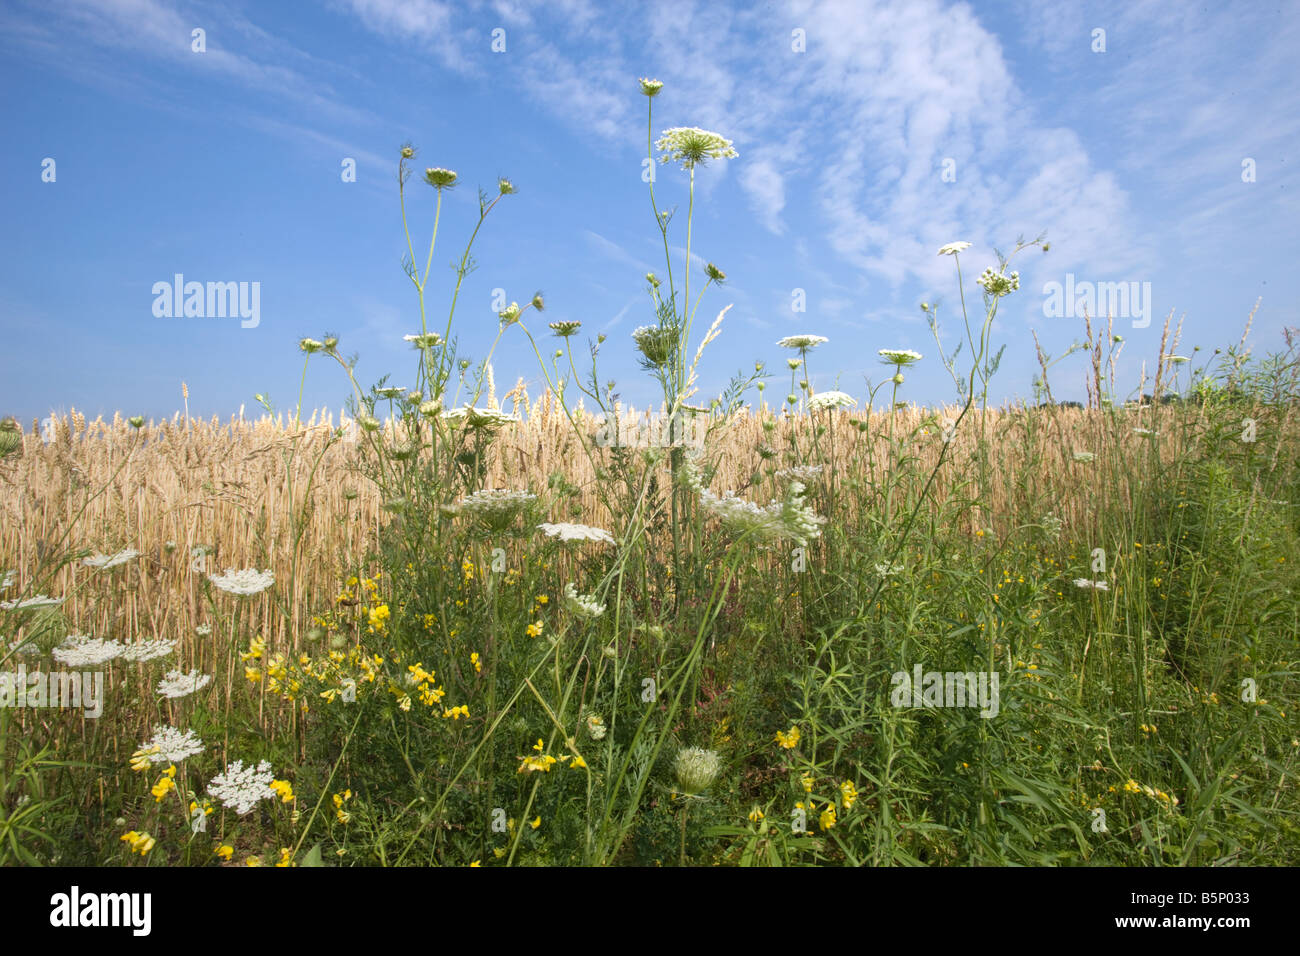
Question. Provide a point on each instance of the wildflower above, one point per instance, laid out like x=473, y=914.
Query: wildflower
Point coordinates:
x=169, y=745
x=286, y=857
x=440, y=178
x=1084, y=456
x=657, y=343
x=650, y=88
x=479, y=418
x=584, y=605
x=535, y=629
x=141, y=843
x=827, y=818
x=532, y=764
x=1177, y=359
x=831, y=400
x=997, y=284
x=952, y=248
x=692, y=146
x=714, y=273
x=225, y=851
x=284, y=788
x=755, y=815
x=510, y=314
x=1085, y=584
x=424, y=340
x=536, y=823
x=505, y=187
x=142, y=759
x=148, y=650
x=565, y=531
x=801, y=342
x=456, y=713
x=245, y=582
x=81, y=651
x=391, y=391
x=788, y=739
x=176, y=684
x=695, y=769
x=900, y=357
x=496, y=506
x=165, y=785
x=807, y=780
x=478, y=664
x=39, y=601
x=804, y=473
x=789, y=518
x=848, y=793
x=136, y=421
x=310, y=345
x=241, y=788
x=595, y=726
x=578, y=763
x=565, y=329
x=105, y=561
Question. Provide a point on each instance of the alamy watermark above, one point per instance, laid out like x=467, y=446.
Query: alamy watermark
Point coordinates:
x=64, y=689
x=213, y=300
x=947, y=689
x=1121, y=300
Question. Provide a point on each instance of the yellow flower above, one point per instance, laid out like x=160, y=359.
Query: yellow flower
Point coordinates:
x=827, y=818
x=140, y=759
x=534, y=629
x=477, y=863
x=478, y=665
x=456, y=713
x=225, y=852
x=253, y=861
x=755, y=815
x=164, y=786
x=252, y=674
x=286, y=857
x=788, y=739
x=807, y=781
x=284, y=789
x=141, y=843
x=578, y=762
x=536, y=823
x=849, y=793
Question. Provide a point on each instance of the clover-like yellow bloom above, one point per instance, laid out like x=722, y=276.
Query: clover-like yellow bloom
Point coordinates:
x=225, y=851
x=284, y=789
x=788, y=739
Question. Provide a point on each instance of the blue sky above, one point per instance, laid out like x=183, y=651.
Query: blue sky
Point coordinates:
x=226, y=166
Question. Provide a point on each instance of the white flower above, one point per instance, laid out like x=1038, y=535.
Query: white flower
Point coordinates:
x=804, y=473
x=1145, y=431
x=493, y=503
x=245, y=582
x=801, y=342
x=148, y=650
x=1096, y=585
x=831, y=400
x=952, y=248
x=1177, y=359
x=426, y=340
x=1084, y=456
x=899, y=357
x=696, y=768
x=479, y=417
x=583, y=605
x=170, y=745
x=790, y=518
x=9, y=578
x=576, y=532
x=203, y=630
x=23, y=647
x=693, y=146
x=176, y=684
x=104, y=561
x=241, y=788
x=39, y=601
x=595, y=726
x=82, y=651
x=390, y=391
x=886, y=570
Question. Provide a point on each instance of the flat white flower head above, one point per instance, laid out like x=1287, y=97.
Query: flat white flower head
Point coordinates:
x=900, y=357
x=1083, y=456
x=81, y=651
x=802, y=342
x=584, y=605
x=246, y=582
x=39, y=600
x=169, y=745
x=952, y=248
x=425, y=340
x=105, y=561
x=148, y=650
x=241, y=788
x=692, y=146
x=565, y=531
x=831, y=400
x=176, y=684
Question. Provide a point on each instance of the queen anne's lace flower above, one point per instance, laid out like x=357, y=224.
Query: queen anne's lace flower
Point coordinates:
x=245, y=582
x=479, y=417
x=790, y=518
x=801, y=342
x=494, y=502
x=692, y=146
x=170, y=745
x=952, y=248
x=105, y=561
x=804, y=473
x=576, y=532
x=899, y=357
x=241, y=788
x=831, y=400
x=696, y=769
x=176, y=684
x=148, y=650
x=39, y=601
x=81, y=651
x=424, y=340
x=584, y=605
